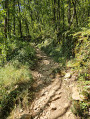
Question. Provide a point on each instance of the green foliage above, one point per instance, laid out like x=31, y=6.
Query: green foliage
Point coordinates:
x=73, y=51
x=57, y=27
x=15, y=76
x=13, y=83
x=62, y=50
x=83, y=76
x=24, y=54
x=81, y=109
x=18, y=51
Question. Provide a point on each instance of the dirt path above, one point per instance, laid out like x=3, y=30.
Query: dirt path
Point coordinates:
x=53, y=93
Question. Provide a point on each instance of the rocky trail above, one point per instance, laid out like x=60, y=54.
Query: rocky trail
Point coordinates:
x=53, y=91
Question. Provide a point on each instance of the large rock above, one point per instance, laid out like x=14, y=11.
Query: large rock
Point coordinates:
x=68, y=75
x=76, y=95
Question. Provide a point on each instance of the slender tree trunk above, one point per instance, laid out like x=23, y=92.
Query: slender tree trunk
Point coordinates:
x=63, y=16
x=5, y=25
x=75, y=12
x=59, y=10
x=69, y=13
x=58, y=22
x=27, y=28
x=20, y=25
x=58, y=14
x=54, y=11
x=8, y=15
x=54, y=14
x=14, y=17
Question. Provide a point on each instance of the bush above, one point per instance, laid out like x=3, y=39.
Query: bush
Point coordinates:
x=15, y=77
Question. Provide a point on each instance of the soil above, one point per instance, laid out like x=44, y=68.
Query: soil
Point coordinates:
x=53, y=99
x=53, y=92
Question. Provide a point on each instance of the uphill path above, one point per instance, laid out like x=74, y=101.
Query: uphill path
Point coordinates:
x=53, y=98
x=53, y=91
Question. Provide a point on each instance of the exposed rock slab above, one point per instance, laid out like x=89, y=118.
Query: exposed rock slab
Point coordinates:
x=76, y=95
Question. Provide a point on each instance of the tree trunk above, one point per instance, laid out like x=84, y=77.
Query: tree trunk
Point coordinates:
x=59, y=14
x=14, y=17
x=69, y=13
x=54, y=11
x=20, y=25
x=5, y=25
x=63, y=16
x=27, y=28
x=75, y=12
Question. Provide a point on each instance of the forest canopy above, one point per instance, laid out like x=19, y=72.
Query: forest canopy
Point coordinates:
x=61, y=28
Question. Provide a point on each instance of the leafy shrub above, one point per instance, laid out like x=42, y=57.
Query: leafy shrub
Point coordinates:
x=15, y=77
x=22, y=52
x=81, y=108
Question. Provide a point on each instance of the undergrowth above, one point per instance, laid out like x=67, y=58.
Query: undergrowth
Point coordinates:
x=73, y=51
x=15, y=77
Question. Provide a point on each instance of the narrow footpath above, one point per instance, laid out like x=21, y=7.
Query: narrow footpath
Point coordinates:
x=53, y=99
x=53, y=91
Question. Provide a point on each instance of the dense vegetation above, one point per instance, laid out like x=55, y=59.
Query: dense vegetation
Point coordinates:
x=59, y=27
